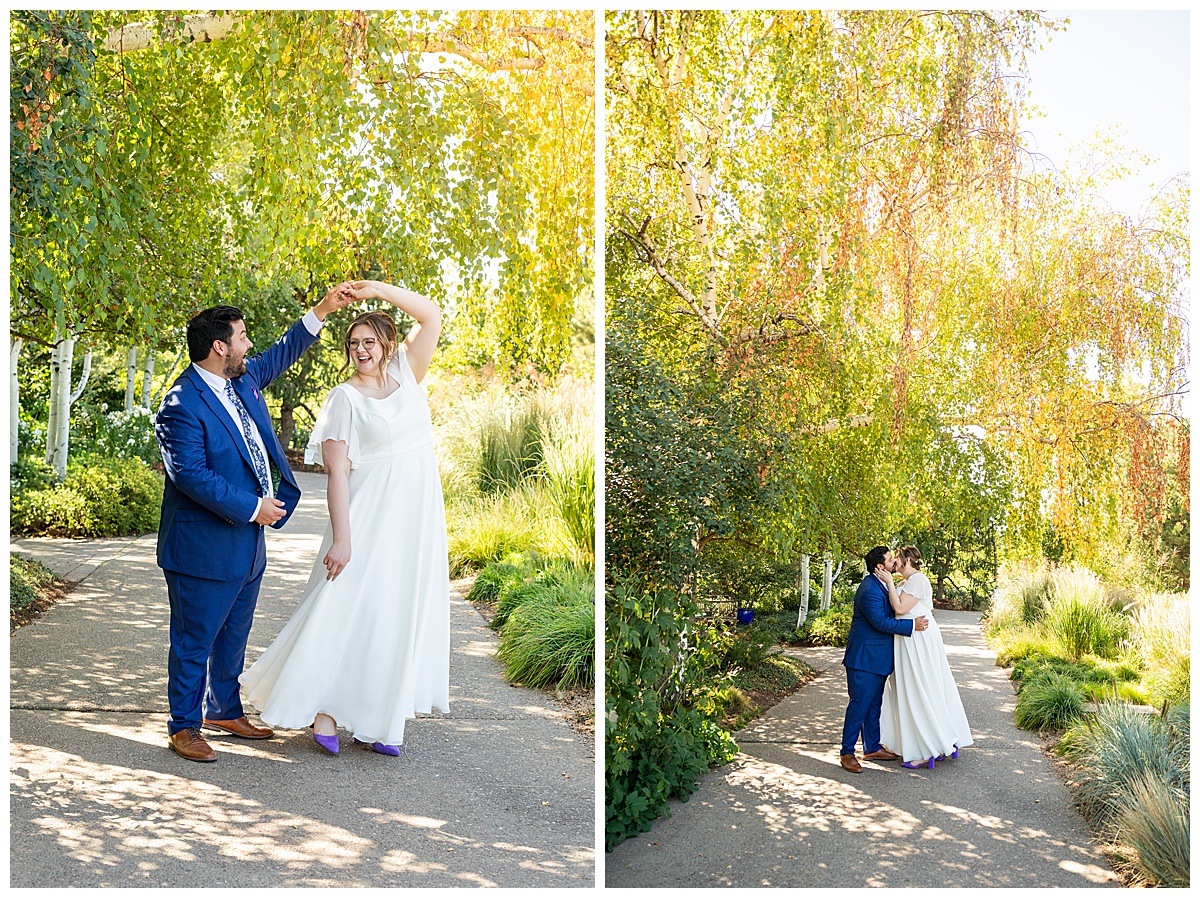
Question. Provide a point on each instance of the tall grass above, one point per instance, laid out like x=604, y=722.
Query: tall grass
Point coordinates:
x=571, y=486
x=1162, y=635
x=1049, y=701
x=486, y=529
x=1022, y=591
x=512, y=444
x=1079, y=618
x=1155, y=823
x=550, y=639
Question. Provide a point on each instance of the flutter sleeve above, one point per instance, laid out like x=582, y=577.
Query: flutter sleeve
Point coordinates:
x=400, y=369
x=335, y=422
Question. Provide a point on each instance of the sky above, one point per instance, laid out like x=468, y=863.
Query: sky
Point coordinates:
x=1121, y=73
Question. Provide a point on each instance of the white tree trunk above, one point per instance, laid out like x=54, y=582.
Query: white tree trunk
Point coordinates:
x=14, y=399
x=148, y=379
x=53, y=407
x=827, y=583
x=60, y=404
x=83, y=378
x=130, y=377
x=803, y=585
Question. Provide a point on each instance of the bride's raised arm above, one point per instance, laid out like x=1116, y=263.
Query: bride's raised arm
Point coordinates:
x=423, y=336
x=901, y=602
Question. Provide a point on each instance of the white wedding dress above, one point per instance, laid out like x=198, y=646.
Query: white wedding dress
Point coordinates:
x=371, y=648
x=922, y=715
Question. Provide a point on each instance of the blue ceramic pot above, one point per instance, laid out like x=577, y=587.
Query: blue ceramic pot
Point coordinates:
x=745, y=615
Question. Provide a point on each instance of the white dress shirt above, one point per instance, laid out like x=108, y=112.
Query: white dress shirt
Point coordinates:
x=217, y=383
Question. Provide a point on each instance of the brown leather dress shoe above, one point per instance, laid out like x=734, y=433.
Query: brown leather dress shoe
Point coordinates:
x=849, y=762
x=882, y=755
x=191, y=745
x=240, y=727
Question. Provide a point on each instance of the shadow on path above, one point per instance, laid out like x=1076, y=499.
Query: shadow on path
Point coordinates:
x=498, y=793
x=785, y=813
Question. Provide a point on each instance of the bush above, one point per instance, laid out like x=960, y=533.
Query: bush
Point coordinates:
x=100, y=497
x=26, y=578
x=1049, y=701
x=551, y=639
x=829, y=627
x=494, y=578
x=1013, y=646
x=481, y=531
x=117, y=434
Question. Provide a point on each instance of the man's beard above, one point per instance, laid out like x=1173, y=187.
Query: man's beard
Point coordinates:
x=233, y=368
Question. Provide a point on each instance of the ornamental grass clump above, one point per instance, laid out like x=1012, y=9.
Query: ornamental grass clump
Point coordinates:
x=1155, y=823
x=1022, y=592
x=512, y=444
x=550, y=639
x=1161, y=635
x=1049, y=701
x=1078, y=616
x=571, y=486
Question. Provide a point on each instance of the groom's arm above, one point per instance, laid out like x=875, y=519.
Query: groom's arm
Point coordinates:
x=283, y=353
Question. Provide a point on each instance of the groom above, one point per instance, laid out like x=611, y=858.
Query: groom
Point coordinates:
x=227, y=478
x=869, y=659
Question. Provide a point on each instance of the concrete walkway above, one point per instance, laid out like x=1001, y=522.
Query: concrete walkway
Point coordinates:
x=499, y=793
x=784, y=812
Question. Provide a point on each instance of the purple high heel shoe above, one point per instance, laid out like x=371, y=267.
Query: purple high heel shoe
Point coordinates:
x=329, y=743
x=918, y=765
x=381, y=748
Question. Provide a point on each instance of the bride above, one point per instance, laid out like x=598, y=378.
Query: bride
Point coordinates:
x=369, y=644
x=922, y=719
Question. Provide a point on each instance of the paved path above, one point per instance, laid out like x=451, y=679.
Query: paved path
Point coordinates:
x=499, y=793
x=784, y=812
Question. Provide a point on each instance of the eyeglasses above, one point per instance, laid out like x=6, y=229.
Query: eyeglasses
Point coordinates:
x=368, y=344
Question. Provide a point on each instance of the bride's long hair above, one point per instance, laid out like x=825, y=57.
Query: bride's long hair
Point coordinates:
x=385, y=332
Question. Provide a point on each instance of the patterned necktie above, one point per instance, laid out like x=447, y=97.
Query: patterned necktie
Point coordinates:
x=260, y=465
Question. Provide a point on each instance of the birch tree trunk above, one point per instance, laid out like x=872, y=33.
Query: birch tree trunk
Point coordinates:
x=148, y=379
x=130, y=377
x=803, y=586
x=14, y=400
x=59, y=429
x=56, y=354
x=827, y=583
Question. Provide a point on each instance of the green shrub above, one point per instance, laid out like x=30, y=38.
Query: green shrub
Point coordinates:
x=829, y=627
x=100, y=497
x=749, y=647
x=29, y=474
x=1049, y=701
x=493, y=579
x=571, y=486
x=511, y=445
x=26, y=578
x=1155, y=822
x=719, y=747
x=733, y=707
x=551, y=639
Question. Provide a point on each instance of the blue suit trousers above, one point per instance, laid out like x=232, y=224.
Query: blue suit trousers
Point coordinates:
x=210, y=623
x=862, y=714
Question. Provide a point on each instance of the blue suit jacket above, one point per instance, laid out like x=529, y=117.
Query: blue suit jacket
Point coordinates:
x=211, y=490
x=870, y=645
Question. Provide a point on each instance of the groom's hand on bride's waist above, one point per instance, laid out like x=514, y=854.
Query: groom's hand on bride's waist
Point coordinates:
x=270, y=510
x=920, y=623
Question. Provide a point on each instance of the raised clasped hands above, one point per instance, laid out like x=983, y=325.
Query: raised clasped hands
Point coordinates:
x=338, y=297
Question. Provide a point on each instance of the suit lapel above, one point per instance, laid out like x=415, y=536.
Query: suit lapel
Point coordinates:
x=256, y=407
x=210, y=398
